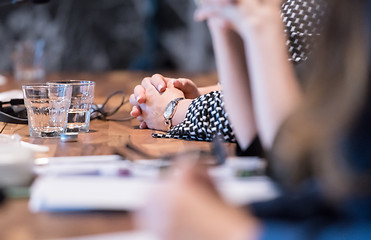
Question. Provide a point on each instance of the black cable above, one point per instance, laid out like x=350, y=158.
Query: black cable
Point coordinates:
x=12, y=102
x=8, y=115
x=101, y=114
x=13, y=117
x=97, y=113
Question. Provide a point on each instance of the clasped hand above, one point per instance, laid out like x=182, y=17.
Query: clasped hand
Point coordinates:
x=149, y=99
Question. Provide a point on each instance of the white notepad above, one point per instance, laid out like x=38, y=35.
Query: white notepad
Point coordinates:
x=111, y=192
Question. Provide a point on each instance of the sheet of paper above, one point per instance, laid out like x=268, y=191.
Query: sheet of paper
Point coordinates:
x=71, y=192
x=6, y=96
x=55, y=193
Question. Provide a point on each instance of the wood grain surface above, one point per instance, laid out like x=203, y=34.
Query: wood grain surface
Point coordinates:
x=18, y=223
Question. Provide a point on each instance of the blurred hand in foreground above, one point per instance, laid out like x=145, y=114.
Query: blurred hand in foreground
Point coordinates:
x=187, y=206
x=243, y=16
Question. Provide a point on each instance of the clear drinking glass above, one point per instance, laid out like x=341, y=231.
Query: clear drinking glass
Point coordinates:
x=81, y=101
x=47, y=108
x=28, y=61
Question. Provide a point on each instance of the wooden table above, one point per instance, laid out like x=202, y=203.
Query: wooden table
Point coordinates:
x=17, y=222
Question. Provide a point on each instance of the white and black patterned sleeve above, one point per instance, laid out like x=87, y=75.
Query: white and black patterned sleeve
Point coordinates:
x=206, y=116
x=205, y=119
x=303, y=23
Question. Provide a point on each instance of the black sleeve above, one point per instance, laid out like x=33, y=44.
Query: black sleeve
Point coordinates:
x=254, y=150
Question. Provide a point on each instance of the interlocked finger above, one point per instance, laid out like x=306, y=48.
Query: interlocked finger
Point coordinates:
x=136, y=111
x=139, y=94
x=159, y=82
x=133, y=100
x=148, y=86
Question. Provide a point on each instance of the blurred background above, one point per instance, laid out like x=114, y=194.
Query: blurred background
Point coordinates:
x=104, y=35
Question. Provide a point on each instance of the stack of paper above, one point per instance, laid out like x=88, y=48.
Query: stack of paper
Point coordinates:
x=92, y=191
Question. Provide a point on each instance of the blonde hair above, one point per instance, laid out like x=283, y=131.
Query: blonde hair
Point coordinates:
x=336, y=84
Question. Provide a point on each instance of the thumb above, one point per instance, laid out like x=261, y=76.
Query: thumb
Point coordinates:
x=184, y=85
x=187, y=86
x=178, y=84
x=191, y=170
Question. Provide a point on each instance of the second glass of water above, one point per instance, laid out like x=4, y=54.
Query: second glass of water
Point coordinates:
x=82, y=99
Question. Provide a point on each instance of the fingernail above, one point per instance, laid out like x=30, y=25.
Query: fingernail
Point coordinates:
x=160, y=87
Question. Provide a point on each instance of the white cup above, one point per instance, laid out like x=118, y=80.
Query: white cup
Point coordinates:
x=15, y=165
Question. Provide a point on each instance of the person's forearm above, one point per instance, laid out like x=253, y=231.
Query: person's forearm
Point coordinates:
x=275, y=89
x=181, y=111
x=232, y=70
